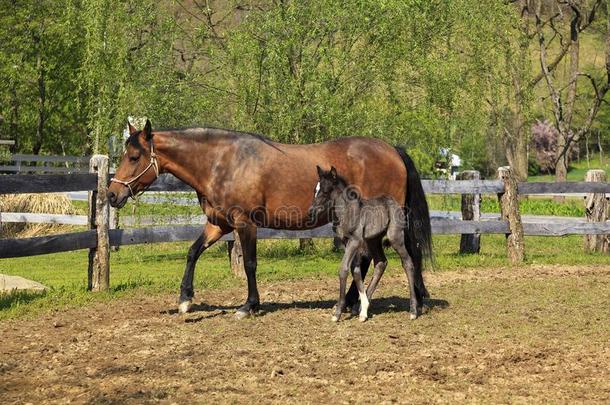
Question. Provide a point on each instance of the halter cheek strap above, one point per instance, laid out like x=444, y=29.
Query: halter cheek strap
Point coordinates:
x=153, y=163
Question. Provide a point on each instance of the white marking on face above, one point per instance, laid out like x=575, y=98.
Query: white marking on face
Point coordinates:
x=317, y=189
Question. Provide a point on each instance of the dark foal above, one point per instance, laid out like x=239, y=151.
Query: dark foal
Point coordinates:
x=362, y=224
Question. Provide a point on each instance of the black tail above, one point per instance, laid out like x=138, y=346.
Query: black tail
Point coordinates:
x=418, y=235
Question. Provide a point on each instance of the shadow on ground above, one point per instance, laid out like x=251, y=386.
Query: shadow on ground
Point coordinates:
x=378, y=306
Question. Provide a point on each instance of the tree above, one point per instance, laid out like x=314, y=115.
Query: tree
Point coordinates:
x=581, y=17
x=38, y=62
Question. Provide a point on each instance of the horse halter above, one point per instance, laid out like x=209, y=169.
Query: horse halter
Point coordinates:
x=153, y=163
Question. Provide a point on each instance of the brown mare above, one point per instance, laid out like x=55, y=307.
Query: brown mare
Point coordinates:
x=244, y=181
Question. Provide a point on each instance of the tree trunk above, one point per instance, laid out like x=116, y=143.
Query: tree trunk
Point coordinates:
x=14, y=125
x=41, y=100
x=515, y=146
x=563, y=146
x=519, y=163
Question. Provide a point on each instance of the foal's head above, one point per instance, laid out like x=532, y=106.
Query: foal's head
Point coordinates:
x=329, y=187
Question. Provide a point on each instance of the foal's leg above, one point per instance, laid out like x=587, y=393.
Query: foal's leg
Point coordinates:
x=364, y=302
x=211, y=233
x=398, y=243
x=381, y=262
x=247, y=237
x=351, y=300
x=350, y=252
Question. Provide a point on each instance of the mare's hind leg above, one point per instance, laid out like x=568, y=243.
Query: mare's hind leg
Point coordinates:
x=364, y=301
x=351, y=250
x=247, y=237
x=211, y=233
x=381, y=262
x=396, y=236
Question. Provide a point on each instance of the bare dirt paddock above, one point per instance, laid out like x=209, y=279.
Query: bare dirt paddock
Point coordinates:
x=506, y=335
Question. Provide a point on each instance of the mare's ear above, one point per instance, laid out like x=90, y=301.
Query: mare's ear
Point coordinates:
x=132, y=129
x=148, y=130
x=320, y=171
x=333, y=172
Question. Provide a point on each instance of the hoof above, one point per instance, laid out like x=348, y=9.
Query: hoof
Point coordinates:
x=363, y=318
x=335, y=318
x=413, y=317
x=184, y=307
x=243, y=314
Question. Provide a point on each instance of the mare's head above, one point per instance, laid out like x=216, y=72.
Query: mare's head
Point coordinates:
x=330, y=185
x=138, y=167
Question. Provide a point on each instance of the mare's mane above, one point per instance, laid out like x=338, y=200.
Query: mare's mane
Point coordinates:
x=201, y=134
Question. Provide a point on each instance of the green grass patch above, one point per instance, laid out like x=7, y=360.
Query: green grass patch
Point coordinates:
x=571, y=207
x=158, y=268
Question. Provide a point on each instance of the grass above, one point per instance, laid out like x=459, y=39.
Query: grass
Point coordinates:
x=578, y=170
x=159, y=268
x=571, y=207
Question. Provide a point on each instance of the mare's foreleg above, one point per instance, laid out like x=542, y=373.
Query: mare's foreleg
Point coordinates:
x=211, y=233
x=247, y=237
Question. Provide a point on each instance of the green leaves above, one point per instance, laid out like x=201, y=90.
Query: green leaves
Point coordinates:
x=421, y=73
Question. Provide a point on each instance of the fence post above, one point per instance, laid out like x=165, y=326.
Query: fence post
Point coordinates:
x=236, y=257
x=471, y=211
x=113, y=224
x=596, y=210
x=509, y=207
x=99, y=257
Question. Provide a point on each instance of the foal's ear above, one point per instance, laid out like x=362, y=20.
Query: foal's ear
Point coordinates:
x=333, y=172
x=148, y=130
x=131, y=128
x=320, y=171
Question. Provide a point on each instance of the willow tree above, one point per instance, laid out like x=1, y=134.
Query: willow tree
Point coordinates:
x=410, y=72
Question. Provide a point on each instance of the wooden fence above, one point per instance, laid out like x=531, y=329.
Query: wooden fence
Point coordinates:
x=99, y=238
x=25, y=164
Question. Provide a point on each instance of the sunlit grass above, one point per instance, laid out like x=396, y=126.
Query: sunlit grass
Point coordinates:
x=158, y=268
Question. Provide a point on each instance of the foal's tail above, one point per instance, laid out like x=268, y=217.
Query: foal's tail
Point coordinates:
x=418, y=233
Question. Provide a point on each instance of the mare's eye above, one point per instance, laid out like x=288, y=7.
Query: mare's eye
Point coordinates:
x=134, y=158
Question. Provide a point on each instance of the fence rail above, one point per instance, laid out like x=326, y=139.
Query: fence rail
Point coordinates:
x=509, y=222
x=22, y=163
x=47, y=183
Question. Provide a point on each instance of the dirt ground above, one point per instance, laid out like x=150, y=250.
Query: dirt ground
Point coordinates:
x=478, y=342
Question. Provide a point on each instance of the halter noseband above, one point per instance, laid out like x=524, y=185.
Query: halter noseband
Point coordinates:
x=153, y=163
